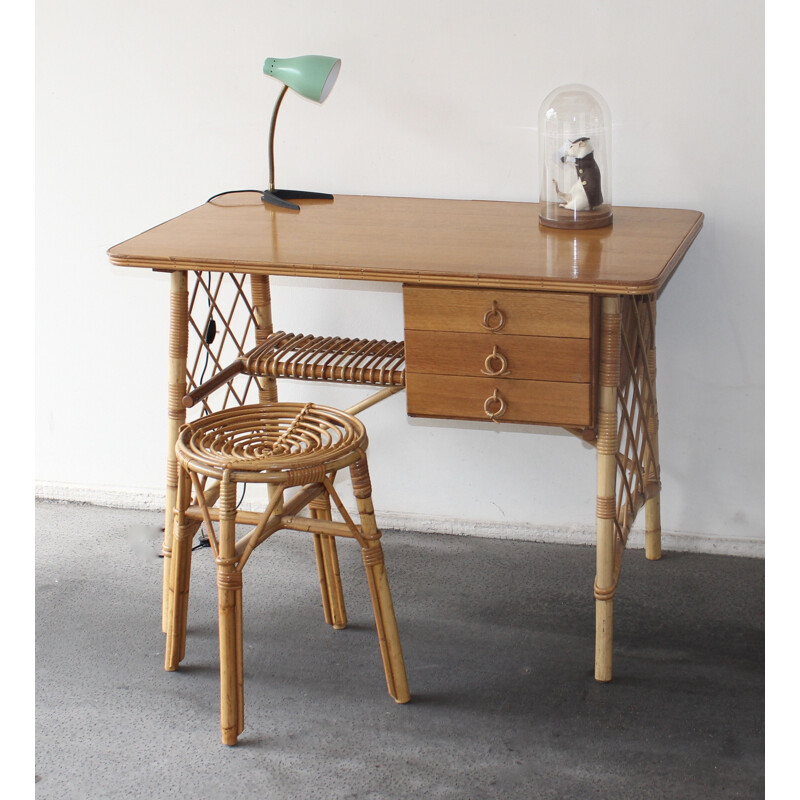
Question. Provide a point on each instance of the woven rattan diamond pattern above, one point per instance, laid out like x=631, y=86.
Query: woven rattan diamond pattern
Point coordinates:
x=233, y=346
x=637, y=417
x=222, y=326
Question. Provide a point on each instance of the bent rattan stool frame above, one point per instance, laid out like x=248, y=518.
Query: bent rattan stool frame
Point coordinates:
x=286, y=446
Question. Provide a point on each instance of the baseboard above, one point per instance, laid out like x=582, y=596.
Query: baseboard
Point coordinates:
x=153, y=500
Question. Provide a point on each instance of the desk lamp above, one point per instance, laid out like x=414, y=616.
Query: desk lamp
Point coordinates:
x=312, y=77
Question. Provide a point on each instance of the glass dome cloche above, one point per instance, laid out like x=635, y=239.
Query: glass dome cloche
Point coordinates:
x=575, y=159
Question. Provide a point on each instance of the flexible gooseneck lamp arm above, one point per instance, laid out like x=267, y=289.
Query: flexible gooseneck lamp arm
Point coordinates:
x=312, y=77
x=271, y=186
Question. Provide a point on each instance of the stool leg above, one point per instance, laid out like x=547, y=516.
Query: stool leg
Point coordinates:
x=382, y=606
x=229, y=586
x=338, y=611
x=330, y=581
x=177, y=601
x=323, y=576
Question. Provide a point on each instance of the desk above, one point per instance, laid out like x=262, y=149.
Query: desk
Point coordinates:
x=504, y=320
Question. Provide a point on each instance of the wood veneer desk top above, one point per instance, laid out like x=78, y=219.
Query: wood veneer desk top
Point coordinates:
x=412, y=240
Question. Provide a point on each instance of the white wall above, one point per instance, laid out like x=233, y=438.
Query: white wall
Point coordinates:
x=145, y=108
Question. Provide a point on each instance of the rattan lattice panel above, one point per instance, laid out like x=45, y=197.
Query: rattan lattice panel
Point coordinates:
x=222, y=326
x=637, y=417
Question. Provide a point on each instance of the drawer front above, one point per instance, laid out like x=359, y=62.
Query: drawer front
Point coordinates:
x=506, y=356
x=498, y=399
x=500, y=312
x=518, y=357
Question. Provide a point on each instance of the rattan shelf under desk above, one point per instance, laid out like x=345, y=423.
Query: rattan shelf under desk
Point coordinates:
x=328, y=358
x=333, y=359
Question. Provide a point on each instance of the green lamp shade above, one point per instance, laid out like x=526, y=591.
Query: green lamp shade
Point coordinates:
x=310, y=76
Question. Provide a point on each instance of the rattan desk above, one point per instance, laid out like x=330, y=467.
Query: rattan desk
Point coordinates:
x=505, y=320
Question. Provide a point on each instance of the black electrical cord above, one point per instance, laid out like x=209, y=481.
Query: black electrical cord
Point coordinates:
x=210, y=333
x=203, y=540
x=233, y=191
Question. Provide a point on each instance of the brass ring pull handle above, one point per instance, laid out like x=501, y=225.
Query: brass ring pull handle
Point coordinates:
x=496, y=402
x=498, y=359
x=494, y=319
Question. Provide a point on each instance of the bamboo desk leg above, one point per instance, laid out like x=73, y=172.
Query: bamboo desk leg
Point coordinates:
x=627, y=451
x=324, y=546
x=176, y=415
x=606, y=485
x=262, y=309
x=652, y=506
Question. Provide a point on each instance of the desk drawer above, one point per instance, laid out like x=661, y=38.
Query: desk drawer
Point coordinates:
x=499, y=399
x=542, y=358
x=498, y=312
x=508, y=356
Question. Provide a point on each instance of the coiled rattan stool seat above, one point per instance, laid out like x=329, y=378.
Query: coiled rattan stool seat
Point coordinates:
x=274, y=437
x=291, y=446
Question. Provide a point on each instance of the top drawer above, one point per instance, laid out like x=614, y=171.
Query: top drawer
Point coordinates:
x=476, y=310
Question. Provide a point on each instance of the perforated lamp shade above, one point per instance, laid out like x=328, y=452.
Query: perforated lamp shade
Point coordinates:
x=310, y=76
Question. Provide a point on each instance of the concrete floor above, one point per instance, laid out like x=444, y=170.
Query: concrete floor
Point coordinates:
x=499, y=646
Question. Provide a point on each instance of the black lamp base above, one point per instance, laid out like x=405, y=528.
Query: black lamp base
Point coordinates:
x=280, y=197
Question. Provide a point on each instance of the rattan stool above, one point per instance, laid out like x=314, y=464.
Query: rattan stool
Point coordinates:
x=283, y=445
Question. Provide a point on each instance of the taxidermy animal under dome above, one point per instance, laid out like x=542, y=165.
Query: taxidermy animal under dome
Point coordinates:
x=575, y=159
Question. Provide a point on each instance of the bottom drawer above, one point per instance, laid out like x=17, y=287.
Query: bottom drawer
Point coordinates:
x=537, y=402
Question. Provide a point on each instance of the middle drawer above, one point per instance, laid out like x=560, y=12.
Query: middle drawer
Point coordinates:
x=517, y=357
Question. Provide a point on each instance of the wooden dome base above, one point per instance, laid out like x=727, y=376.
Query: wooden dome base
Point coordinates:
x=577, y=220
